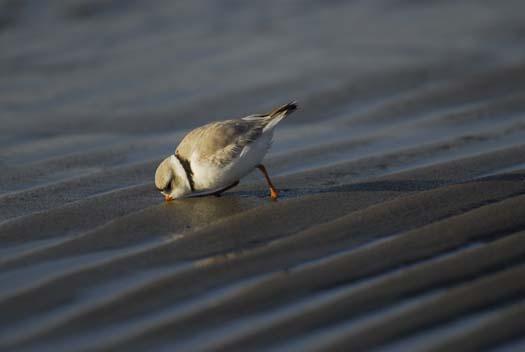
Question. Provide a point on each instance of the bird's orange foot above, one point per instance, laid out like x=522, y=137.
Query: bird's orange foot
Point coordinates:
x=274, y=194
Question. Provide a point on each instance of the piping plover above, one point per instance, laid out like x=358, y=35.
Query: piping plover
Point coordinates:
x=213, y=158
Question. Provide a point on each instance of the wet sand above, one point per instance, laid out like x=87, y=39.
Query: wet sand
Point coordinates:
x=401, y=222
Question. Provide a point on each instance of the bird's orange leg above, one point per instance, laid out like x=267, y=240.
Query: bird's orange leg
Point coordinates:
x=273, y=192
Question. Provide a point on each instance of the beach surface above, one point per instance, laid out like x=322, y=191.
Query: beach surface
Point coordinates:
x=401, y=221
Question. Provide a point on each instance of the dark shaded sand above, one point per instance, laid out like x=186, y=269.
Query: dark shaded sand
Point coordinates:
x=401, y=225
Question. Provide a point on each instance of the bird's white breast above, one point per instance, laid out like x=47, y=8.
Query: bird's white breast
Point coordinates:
x=207, y=175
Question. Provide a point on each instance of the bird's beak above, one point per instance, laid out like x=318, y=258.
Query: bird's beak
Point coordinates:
x=168, y=198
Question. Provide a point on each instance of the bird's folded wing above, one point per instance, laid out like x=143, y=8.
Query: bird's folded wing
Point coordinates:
x=220, y=142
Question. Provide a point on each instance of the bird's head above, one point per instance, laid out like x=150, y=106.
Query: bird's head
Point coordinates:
x=171, y=179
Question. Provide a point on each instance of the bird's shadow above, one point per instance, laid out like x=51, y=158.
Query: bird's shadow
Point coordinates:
x=375, y=186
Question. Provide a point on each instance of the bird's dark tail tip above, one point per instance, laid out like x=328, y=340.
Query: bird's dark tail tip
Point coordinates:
x=285, y=109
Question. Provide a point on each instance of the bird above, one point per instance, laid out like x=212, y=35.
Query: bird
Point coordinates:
x=213, y=158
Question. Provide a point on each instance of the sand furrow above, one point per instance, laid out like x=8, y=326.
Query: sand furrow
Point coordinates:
x=31, y=201
x=382, y=327
x=71, y=217
x=447, y=95
x=480, y=330
x=66, y=167
x=499, y=325
x=46, y=148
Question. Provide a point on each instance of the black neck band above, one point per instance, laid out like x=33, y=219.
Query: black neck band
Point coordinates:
x=187, y=168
